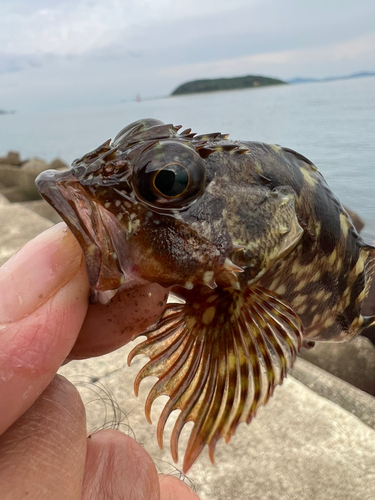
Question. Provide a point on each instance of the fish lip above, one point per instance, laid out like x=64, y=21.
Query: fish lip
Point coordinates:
x=63, y=191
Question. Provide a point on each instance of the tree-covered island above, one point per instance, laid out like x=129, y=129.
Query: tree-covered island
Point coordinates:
x=238, y=82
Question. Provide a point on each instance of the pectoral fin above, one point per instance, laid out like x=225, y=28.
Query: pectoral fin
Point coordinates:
x=218, y=357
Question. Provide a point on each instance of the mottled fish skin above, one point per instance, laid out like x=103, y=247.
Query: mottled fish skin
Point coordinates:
x=324, y=277
x=248, y=234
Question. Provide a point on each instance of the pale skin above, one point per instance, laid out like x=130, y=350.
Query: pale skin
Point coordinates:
x=45, y=320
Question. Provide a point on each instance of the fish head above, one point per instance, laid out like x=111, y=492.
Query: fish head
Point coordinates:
x=157, y=205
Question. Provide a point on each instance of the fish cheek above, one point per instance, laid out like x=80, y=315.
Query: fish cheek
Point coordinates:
x=171, y=253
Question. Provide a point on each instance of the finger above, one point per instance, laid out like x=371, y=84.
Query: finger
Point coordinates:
x=109, y=327
x=118, y=467
x=42, y=455
x=172, y=488
x=43, y=302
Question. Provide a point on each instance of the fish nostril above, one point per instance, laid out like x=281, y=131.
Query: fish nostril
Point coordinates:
x=78, y=171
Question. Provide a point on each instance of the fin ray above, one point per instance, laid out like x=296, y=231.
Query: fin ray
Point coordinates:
x=218, y=357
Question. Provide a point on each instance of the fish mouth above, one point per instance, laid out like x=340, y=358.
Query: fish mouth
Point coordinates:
x=115, y=261
x=84, y=218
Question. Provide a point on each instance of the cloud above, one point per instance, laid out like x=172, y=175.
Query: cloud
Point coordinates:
x=76, y=28
x=11, y=64
x=99, y=51
x=278, y=60
x=197, y=27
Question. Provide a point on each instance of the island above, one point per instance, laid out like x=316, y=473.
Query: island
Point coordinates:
x=238, y=82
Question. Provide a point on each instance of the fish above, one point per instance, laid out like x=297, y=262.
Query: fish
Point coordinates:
x=258, y=256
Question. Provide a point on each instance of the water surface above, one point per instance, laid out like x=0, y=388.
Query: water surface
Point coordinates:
x=332, y=123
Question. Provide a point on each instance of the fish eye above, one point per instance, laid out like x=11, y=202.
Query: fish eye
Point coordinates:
x=169, y=175
x=172, y=180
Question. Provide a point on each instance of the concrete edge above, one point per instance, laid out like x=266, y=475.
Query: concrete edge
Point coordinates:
x=350, y=398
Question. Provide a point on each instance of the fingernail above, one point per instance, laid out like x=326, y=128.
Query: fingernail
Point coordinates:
x=37, y=272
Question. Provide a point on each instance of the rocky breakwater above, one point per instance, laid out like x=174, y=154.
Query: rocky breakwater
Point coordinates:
x=17, y=182
x=23, y=213
x=17, y=177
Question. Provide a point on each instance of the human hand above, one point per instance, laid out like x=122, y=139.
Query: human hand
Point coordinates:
x=45, y=319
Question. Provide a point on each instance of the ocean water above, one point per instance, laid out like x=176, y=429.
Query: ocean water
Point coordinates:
x=331, y=123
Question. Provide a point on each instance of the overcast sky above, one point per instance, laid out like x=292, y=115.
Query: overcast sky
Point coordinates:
x=63, y=53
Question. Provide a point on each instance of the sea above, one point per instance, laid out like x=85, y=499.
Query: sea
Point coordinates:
x=332, y=123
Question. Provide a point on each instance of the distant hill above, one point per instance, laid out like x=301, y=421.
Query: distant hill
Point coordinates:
x=361, y=74
x=238, y=82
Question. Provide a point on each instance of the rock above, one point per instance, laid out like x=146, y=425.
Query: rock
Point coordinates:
x=26, y=184
x=8, y=175
x=12, y=158
x=17, y=226
x=23, y=178
x=44, y=209
x=358, y=222
x=3, y=200
x=35, y=166
x=26, y=177
x=14, y=194
x=58, y=164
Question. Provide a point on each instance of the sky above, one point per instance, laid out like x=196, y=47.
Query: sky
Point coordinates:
x=58, y=54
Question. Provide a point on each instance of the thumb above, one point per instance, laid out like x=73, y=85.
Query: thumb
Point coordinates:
x=43, y=302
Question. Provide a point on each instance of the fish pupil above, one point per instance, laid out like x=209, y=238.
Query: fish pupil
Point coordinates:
x=172, y=180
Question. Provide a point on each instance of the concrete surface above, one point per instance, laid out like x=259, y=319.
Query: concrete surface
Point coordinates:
x=301, y=446
x=340, y=392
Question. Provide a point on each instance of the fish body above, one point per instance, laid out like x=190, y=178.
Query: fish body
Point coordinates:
x=248, y=236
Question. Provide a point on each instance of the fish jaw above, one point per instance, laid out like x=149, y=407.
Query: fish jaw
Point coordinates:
x=64, y=192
